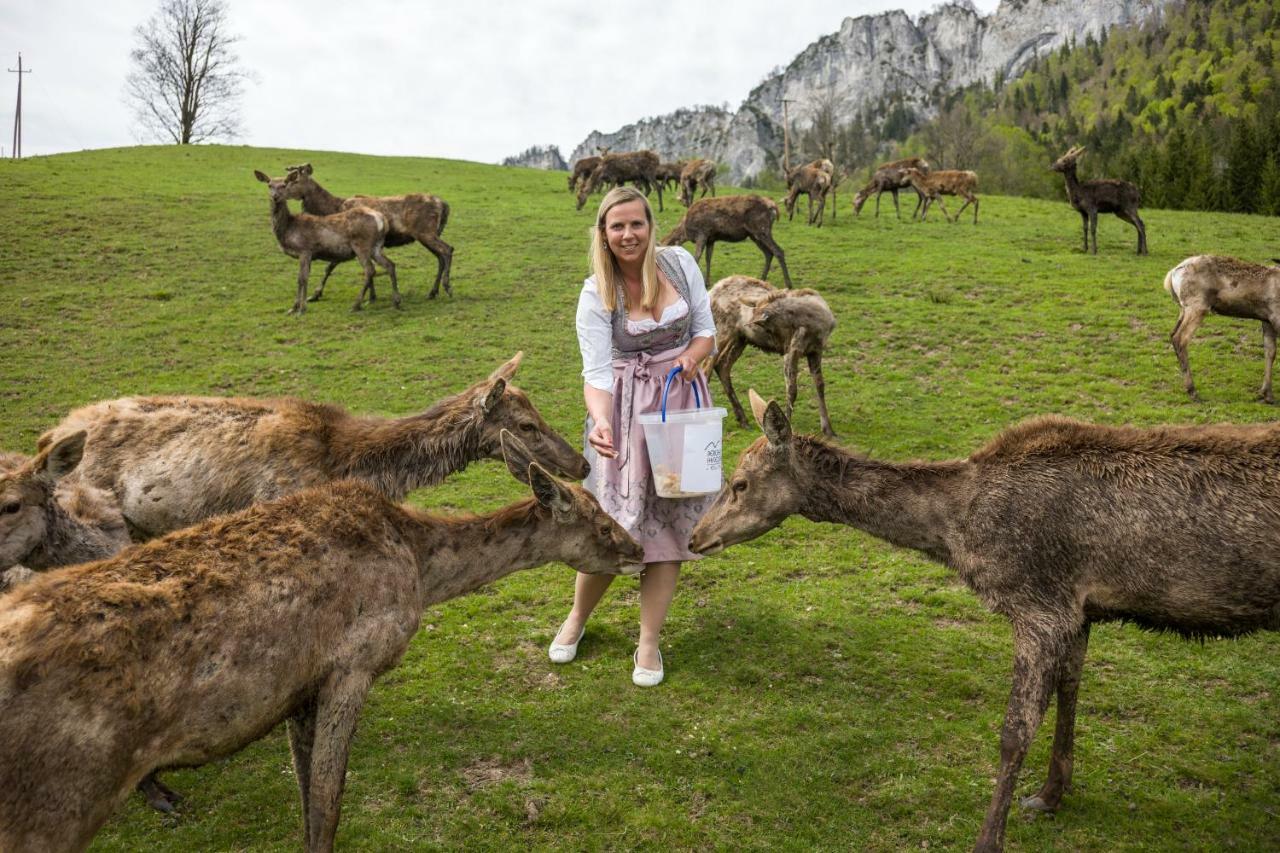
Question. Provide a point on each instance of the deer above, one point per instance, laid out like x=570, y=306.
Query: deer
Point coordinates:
x=184, y=650
x=890, y=177
x=175, y=461
x=731, y=219
x=669, y=174
x=815, y=183
x=792, y=323
x=697, y=174
x=583, y=167
x=1233, y=288
x=638, y=167
x=413, y=217
x=357, y=232
x=1056, y=525
x=934, y=185
x=837, y=178
x=1106, y=195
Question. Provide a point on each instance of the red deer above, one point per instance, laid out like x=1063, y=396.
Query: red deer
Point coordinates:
x=638, y=167
x=697, y=174
x=815, y=183
x=1106, y=195
x=583, y=168
x=731, y=219
x=890, y=177
x=934, y=185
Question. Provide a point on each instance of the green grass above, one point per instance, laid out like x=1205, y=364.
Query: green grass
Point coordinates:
x=824, y=689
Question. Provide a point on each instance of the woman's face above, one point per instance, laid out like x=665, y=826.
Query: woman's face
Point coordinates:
x=627, y=231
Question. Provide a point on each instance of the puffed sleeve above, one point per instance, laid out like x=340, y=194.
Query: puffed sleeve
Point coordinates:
x=595, y=338
x=703, y=325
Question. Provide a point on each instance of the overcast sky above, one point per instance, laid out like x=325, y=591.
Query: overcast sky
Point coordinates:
x=469, y=79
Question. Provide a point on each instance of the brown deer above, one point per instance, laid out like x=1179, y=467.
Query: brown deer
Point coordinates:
x=417, y=217
x=638, y=167
x=731, y=219
x=1106, y=195
x=889, y=178
x=814, y=183
x=669, y=174
x=1230, y=287
x=173, y=461
x=184, y=650
x=583, y=168
x=1056, y=525
x=357, y=232
x=697, y=174
x=934, y=185
x=792, y=323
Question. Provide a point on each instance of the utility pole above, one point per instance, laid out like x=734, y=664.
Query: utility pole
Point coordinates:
x=17, y=116
x=786, y=139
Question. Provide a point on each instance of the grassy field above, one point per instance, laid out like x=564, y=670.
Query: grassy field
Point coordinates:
x=824, y=690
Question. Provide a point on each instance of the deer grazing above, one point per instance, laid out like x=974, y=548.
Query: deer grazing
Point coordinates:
x=184, y=650
x=1056, y=525
x=583, y=168
x=669, y=174
x=814, y=182
x=792, y=323
x=933, y=186
x=416, y=216
x=697, y=174
x=357, y=232
x=638, y=167
x=889, y=178
x=731, y=219
x=1233, y=288
x=174, y=461
x=1106, y=195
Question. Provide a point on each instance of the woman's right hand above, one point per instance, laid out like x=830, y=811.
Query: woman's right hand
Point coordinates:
x=601, y=438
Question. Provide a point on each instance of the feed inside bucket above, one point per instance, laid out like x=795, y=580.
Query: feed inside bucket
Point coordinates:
x=684, y=448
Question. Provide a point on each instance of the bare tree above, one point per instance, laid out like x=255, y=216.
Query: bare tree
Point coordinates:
x=186, y=80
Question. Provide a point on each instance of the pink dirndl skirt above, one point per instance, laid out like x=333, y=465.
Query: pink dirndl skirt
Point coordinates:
x=624, y=485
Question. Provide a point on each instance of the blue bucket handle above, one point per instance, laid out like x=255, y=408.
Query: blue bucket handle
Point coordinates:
x=675, y=371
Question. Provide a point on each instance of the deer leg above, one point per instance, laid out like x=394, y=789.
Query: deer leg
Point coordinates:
x=302, y=735
x=1034, y=668
x=1269, y=358
x=711, y=245
x=444, y=261
x=712, y=184
x=159, y=795
x=337, y=708
x=791, y=204
x=820, y=386
x=880, y=193
x=897, y=211
x=328, y=271
x=921, y=202
x=1062, y=760
x=383, y=261
x=1084, y=220
x=1188, y=321
x=976, y=202
x=772, y=250
x=967, y=201
x=304, y=270
x=723, y=365
x=1093, y=229
x=660, y=183
x=790, y=365
x=367, y=264
x=1131, y=216
x=945, y=215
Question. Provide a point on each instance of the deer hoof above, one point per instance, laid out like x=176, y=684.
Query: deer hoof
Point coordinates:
x=1037, y=804
x=1265, y=396
x=315, y=297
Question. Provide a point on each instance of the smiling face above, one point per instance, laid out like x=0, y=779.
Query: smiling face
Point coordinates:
x=628, y=231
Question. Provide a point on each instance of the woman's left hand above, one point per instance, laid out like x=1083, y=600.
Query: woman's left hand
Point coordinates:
x=688, y=366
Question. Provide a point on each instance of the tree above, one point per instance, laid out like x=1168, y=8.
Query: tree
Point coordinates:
x=186, y=80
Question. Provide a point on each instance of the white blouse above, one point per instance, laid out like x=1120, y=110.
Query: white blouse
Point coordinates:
x=595, y=329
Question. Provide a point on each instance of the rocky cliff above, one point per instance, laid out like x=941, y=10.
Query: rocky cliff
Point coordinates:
x=539, y=157
x=869, y=59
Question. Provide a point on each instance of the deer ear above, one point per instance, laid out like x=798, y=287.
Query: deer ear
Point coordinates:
x=62, y=458
x=492, y=395
x=776, y=426
x=506, y=371
x=261, y=177
x=550, y=492
x=306, y=169
x=517, y=456
x=758, y=406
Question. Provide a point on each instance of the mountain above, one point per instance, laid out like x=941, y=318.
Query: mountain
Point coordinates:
x=539, y=157
x=873, y=61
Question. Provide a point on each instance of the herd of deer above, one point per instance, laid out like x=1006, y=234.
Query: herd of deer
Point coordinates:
x=181, y=574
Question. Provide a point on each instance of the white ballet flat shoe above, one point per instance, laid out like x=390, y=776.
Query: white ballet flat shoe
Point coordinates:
x=562, y=653
x=642, y=677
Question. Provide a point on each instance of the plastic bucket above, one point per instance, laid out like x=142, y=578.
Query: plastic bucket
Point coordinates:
x=684, y=447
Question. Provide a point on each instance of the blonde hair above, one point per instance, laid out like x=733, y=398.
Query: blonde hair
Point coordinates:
x=605, y=266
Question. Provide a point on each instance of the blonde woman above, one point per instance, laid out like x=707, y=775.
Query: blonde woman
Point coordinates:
x=643, y=312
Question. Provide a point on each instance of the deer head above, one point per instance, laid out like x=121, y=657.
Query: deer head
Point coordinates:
x=26, y=495
x=765, y=487
x=502, y=406
x=590, y=540
x=1068, y=160
x=280, y=189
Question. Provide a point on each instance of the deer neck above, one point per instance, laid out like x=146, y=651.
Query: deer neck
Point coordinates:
x=400, y=455
x=456, y=556
x=67, y=541
x=914, y=505
x=281, y=220
x=319, y=201
x=1073, y=182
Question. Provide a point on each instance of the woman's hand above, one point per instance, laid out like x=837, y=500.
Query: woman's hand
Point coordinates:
x=688, y=366
x=601, y=438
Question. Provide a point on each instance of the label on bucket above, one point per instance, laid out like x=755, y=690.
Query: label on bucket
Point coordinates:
x=700, y=466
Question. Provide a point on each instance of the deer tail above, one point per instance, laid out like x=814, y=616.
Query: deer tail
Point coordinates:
x=444, y=216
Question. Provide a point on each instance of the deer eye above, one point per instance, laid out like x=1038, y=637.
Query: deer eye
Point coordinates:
x=739, y=486
x=528, y=427
x=10, y=508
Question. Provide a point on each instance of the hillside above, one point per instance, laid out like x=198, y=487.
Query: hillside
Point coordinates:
x=824, y=690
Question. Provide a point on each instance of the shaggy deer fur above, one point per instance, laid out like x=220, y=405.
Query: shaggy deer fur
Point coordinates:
x=583, y=168
x=1106, y=195
x=416, y=216
x=697, y=174
x=357, y=232
x=1230, y=287
x=1056, y=525
x=669, y=174
x=792, y=323
x=891, y=177
x=173, y=461
x=184, y=650
x=638, y=167
x=814, y=183
x=934, y=185
x=731, y=219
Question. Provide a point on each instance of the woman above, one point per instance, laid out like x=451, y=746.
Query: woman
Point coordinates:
x=643, y=312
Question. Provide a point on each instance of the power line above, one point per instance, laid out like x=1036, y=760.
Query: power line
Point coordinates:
x=17, y=116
